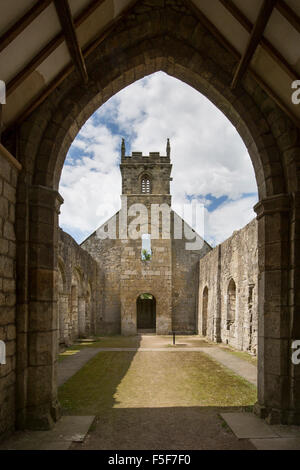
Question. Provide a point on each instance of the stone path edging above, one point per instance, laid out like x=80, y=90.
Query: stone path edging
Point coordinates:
x=239, y=366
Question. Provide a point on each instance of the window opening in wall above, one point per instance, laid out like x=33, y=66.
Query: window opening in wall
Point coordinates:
x=146, y=185
x=146, y=252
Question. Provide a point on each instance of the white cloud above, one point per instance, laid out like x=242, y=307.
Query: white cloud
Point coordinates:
x=91, y=184
x=207, y=153
x=230, y=216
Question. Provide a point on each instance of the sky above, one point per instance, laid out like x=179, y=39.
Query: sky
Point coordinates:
x=211, y=165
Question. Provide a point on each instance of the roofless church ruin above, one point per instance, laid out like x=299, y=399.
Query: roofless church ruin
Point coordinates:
x=60, y=61
x=182, y=285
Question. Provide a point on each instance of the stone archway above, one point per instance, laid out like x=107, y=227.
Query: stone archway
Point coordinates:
x=62, y=306
x=88, y=313
x=141, y=45
x=146, y=312
x=204, y=310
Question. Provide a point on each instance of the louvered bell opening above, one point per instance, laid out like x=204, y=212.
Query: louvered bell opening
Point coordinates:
x=145, y=186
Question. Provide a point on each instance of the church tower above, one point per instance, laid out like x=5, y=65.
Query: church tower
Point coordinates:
x=146, y=178
x=146, y=259
x=149, y=277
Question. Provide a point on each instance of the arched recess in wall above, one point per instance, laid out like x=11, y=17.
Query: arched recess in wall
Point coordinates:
x=88, y=309
x=81, y=306
x=231, y=304
x=62, y=302
x=74, y=307
x=204, y=310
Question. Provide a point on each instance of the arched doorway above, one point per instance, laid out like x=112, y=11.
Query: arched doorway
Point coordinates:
x=62, y=304
x=204, y=311
x=146, y=312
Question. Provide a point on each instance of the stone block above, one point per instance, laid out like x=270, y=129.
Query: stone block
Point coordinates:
x=9, y=192
x=6, y=267
x=5, y=168
x=41, y=348
x=9, y=231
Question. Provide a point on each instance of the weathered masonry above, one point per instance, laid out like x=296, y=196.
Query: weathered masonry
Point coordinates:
x=79, y=291
x=169, y=275
x=9, y=169
x=228, y=282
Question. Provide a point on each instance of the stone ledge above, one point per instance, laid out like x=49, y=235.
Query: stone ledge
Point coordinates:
x=262, y=435
x=67, y=430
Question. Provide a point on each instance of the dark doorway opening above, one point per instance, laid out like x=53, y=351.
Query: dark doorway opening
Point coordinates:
x=146, y=312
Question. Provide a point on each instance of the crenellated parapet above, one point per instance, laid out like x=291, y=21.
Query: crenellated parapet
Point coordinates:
x=146, y=175
x=138, y=157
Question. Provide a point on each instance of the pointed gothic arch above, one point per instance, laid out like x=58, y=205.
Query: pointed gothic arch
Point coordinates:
x=231, y=304
x=145, y=183
x=204, y=310
x=134, y=49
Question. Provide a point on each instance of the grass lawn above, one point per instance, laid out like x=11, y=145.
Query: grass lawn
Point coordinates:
x=152, y=380
x=116, y=341
x=241, y=354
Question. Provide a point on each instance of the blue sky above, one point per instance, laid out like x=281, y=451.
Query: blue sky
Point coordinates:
x=210, y=162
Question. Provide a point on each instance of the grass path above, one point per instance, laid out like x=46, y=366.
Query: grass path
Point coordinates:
x=156, y=400
x=153, y=379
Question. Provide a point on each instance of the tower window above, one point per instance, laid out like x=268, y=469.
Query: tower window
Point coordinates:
x=146, y=185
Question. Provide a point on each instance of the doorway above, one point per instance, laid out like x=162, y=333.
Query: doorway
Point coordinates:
x=146, y=313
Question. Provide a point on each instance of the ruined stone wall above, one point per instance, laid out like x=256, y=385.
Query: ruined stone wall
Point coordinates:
x=80, y=291
x=185, y=280
x=151, y=277
x=208, y=278
x=8, y=182
x=126, y=276
x=171, y=276
x=107, y=253
x=230, y=274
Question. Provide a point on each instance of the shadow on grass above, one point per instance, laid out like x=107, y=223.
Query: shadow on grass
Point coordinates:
x=163, y=428
x=152, y=400
x=95, y=384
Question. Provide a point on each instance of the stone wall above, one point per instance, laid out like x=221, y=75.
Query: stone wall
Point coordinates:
x=228, y=280
x=8, y=182
x=126, y=276
x=171, y=276
x=79, y=291
x=154, y=165
x=185, y=280
x=107, y=254
x=151, y=277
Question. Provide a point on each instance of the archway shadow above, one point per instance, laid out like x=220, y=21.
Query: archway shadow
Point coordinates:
x=126, y=419
x=194, y=428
